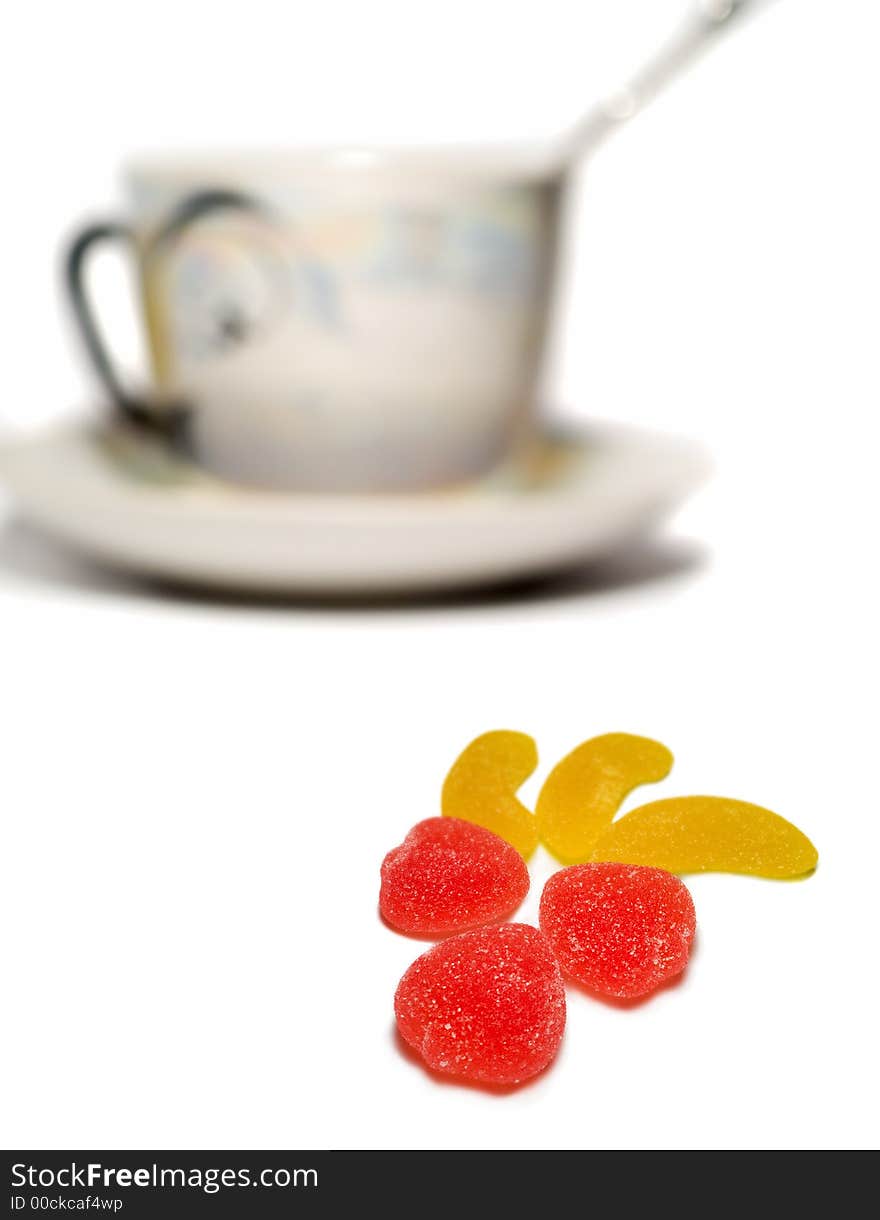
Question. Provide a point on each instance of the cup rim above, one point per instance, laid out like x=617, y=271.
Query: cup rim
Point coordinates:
x=444, y=162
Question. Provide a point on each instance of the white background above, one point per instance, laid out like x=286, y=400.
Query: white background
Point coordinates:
x=196, y=797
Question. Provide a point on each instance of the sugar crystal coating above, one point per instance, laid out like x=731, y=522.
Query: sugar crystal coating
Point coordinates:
x=619, y=929
x=709, y=834
x=486, y=1006
x=584, y=791
x=449, y=875
x=482, y=783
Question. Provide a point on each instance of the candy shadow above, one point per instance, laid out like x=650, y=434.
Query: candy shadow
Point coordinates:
x=457, y=1082
x=432, y=938
x=638, y=1001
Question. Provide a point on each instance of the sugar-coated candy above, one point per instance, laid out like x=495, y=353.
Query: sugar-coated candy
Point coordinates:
x=481, y=787
x=709, y=834
x=584, y=791
x=619, y=929
x=448, y=875
x=486, y=1006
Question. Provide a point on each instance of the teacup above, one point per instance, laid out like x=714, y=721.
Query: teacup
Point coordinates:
x=339, y=321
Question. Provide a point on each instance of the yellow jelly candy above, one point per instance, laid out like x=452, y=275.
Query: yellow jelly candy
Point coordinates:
x=482, y=785
x=709, y=834
x=584, y=791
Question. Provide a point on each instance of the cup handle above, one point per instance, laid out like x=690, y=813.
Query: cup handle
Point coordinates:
x=171, y=418
x=75, y=267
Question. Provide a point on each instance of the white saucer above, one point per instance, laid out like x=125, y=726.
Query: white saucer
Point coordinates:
x=131, y=502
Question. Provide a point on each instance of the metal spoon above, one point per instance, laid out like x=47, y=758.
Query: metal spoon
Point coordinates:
x=698, y=32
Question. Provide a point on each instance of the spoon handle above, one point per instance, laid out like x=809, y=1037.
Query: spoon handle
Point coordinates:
x=700, y=29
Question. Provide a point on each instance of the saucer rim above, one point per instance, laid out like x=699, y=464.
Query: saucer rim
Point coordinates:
x=597, y=442
x=217, y=536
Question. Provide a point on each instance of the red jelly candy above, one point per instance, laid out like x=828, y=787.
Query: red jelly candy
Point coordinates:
x=448, y=875
x=618, y=928
x=487, y=1005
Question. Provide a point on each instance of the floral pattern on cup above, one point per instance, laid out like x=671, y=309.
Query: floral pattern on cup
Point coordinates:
x=231, y=275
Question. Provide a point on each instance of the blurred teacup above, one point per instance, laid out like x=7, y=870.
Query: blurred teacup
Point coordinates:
x=338, y=321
